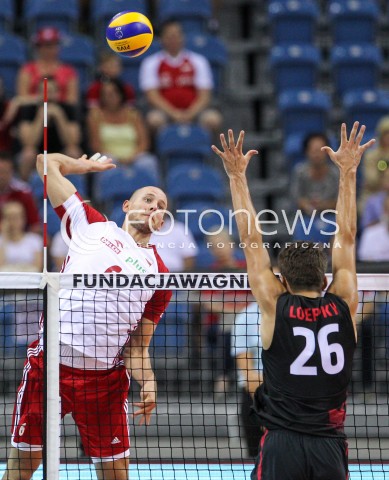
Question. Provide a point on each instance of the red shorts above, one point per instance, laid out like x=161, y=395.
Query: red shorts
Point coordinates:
x=97, y=400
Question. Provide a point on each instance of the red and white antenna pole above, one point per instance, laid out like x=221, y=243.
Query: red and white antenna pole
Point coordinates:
x=45, y=175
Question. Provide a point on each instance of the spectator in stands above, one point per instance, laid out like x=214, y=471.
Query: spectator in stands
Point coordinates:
x=314, y=188
x=374, y=206
x=220, y=310
x=47, y=64
x=246, y=347
x=20, y=251
x=14, y=189
x=374, y=242
x=109, y=68
x=376, y=161
x=7, y=115
x=175, y=245
x=178, y=83
x=64, y=130
x=118, y=130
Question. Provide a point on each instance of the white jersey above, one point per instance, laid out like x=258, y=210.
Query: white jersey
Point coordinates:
x=96, y=323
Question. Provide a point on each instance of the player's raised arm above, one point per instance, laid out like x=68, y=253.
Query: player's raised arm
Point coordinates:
x=59, y=188
x=347, y=159
x=264, y=284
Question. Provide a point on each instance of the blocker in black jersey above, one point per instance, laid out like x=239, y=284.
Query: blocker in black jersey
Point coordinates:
x=307, y=369
x=308, y=339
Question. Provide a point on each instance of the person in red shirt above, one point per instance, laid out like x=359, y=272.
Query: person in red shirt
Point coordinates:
x=47, y=64
x=13, y=189
x=110, y=68
x=178, y=83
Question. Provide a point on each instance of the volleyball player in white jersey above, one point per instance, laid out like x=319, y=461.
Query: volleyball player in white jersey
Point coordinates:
x=104, y=334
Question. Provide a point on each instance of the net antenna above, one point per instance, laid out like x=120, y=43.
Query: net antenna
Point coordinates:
x=51, y=449
x=45, y=175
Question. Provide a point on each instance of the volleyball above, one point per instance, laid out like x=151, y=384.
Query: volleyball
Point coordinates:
x=129, y=33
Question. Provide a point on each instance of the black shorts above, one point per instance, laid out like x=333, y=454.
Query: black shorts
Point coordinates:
x=289, y=455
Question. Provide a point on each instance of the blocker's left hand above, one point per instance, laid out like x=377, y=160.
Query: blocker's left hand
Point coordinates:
x=234, y=161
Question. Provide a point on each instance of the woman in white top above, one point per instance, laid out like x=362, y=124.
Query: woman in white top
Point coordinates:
x=20, y=251
x=118, y=130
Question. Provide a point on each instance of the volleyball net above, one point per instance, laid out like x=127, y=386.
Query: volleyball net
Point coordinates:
x=209, y=334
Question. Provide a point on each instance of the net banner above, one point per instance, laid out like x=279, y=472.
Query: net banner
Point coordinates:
x=205, y=353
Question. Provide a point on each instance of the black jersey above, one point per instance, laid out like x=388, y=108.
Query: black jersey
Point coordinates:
x=307, y=368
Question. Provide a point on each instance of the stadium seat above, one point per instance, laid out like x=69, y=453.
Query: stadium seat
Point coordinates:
x=353, y=21
x=294, y=148
x=304, y=111
x=205, y=258
x=214, y=50
x=293, y=21
x=102, y=11
x=36, y=184
x=197, y=183
x=53, y=221
x=193, y=16
x=13, y=54
x=355, y=67
x=170, y=339
x=366, y=106
x=7, y=15
x=294, y=66
x=131, y=66
x=204, y=216
x=178, y=144
x=62, y=14
x=79, y=51
x=114, y=186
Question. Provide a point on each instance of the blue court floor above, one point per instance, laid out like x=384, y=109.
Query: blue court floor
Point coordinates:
x=200, y=472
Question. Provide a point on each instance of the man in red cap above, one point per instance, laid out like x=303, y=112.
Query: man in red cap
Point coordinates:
x=47, y=64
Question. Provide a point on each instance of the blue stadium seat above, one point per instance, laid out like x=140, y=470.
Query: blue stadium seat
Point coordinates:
x=117, y=215
x=304, y=111
x=13, y=54
x=131, y=66
x=62, y=14
x=103, y=10
x=293, y=21
x=53, y=221
x=203, y=216
x=114, y=186
x=170, y=338
x=294, y=66
x=205, y=258
x=214, y=50
x=79, y=51
x=294, y=148
x=197, y=183
x=193, y=16
x=353, y=21
x=355, y=67
x=36, y=184
x=7, y=15
x=178, y=144
x=366, y=106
